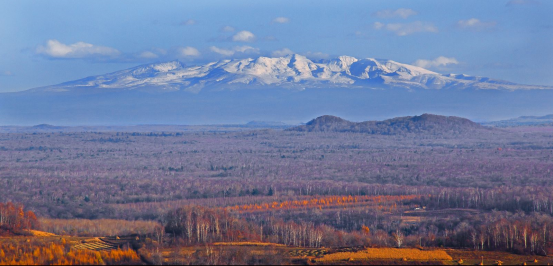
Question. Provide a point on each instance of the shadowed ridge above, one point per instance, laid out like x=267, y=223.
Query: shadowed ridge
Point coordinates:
x=422, y=124
x=325, y=123
x=327, y=119
x=46, y=127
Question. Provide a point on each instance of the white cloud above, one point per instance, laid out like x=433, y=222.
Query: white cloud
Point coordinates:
x=246, y=49
x=188, y=51
x=243, y=36
x=475, y=24
x=403, y=29
x=6, y=73
x=401, y=13
x=56, y=49
x=148, y=55
x=281, y=20
x=281, y=52
x=438, y=62
x=377, y=25
x=237, y=49
x=188, y=22
x=227, y=29
x=221, y=51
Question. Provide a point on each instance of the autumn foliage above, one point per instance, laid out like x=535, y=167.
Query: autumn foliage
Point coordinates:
x=60, y=254
x=14, y=219
x=388, y=254
x=325, y=202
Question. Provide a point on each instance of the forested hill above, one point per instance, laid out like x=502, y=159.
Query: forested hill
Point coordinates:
x=423, y=124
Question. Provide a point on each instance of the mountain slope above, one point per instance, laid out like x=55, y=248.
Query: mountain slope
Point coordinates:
x=426, y=123
x=292, y=72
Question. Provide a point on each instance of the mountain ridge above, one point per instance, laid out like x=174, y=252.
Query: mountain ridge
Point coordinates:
x=292, y=72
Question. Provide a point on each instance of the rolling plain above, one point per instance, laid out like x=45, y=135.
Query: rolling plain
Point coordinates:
x=414, y=190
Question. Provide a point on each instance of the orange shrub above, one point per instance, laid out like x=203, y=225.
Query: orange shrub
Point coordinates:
x=58, y=254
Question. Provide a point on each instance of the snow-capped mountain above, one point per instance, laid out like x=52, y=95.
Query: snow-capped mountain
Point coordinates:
x=293, y=71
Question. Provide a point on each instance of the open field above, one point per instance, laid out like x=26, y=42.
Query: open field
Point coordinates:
x=99, y=227
x=388, y=254
x=41, y=233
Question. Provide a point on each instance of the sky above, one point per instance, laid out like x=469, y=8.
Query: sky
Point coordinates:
x=49, y=42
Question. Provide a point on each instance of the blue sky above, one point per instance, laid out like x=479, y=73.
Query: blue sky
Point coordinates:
x=49, y=42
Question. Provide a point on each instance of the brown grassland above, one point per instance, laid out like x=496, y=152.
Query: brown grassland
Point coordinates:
x=388, y=254
x=99, y=227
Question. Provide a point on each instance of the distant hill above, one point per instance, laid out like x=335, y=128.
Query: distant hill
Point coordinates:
x=47, y=127
x=546, y=120
x=426, y=123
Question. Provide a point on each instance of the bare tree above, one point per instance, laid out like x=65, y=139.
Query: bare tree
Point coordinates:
x=398, y=238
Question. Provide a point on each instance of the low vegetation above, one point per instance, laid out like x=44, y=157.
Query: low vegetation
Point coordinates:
x=99, y=227
x=56, y=252
x=283, y=197
x=388, y=254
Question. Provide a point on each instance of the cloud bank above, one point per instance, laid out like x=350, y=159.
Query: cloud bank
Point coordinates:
x=232, y=51
x=188, y=51
x=57, y=50
x=243, y=36
x=438, y=62
x=282, y=52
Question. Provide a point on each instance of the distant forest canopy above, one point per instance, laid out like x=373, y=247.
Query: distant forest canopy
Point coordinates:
x=428, y=181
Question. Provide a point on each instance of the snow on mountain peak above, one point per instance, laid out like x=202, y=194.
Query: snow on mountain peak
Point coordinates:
x=291, y=71
x=168, y=66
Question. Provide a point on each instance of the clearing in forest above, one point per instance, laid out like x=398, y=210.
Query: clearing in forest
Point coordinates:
x=388, y=254
x=41, y=233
